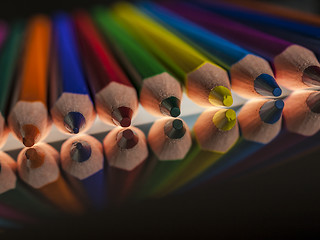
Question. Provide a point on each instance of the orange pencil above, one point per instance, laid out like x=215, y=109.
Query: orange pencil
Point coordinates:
x=28, y=118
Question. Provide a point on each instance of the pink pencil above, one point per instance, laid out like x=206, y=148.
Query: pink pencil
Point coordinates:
x=3, y=32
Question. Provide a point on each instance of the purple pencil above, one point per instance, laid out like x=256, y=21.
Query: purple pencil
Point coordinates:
x=3, y=32
x=295, y=66
x=10, y=213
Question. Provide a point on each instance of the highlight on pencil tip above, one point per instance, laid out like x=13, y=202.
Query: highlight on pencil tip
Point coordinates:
x=170, y=106
x=271, y=111
x=127, y=139
x=80, y=151
x=34, y=159
x=220, y=96
x=30, y=135
x=74, y=122
x=266, y=85
x=175, y=130
x=311, y=76
x=225, y=119
x=122, y=116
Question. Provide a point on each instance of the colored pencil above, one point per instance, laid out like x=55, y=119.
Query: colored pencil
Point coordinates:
x=302, y=112
x=115, y=98
x=295, y=66
x=15, y=195
x=251, y=76
x=159, y=93
x=265, y=23
x=72, y=109
x=125, y=148
x=169, y=139
x=281, y=11
x=8, y=61
x=293, y=26
x=38, y=167
x=3, y=32
x=6, y=224
x=83, y=163
x=28, y=118
x=12, y=214
x=206, y=84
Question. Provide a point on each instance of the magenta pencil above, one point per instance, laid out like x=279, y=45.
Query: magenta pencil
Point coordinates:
x=14, y=215
x=3, y=32
x=295, y=66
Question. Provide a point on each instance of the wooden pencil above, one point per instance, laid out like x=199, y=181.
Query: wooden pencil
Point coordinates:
x=260, y=120
x=38, y=167
x=116, y=99
x=250, y=75
x=83, y=163
x=72, y=109
x=8, y=61
x=169, y=139
x=216, y=129
x=125, y=148
x=281, y=11
x=266, y=23
x=28, y=119
x=302, y=112
x=159, y=93
x=3, y=32
x=295, y=66
x=15, y=195
x=13, y=214
x=206, y=84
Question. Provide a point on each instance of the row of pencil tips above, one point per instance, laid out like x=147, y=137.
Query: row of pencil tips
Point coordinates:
x=108, y=60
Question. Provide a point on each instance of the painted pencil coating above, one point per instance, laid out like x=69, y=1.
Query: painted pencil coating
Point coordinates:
x=71, y=106
x=295, y=66
x=251, y=76
x=206, y=83
x=115, y=97
x=3, y=32
x=28, y=118
x=159, y=93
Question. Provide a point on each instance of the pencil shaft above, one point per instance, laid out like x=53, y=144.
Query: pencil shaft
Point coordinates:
x=3, y=32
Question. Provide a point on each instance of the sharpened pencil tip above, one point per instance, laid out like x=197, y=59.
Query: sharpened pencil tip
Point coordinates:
x=170, y=106
x=175, y=129
x=122, y=116
x=220, y=96
x=311, y=76
x=225, y=119
x=266, y=85
x=80, y=151
x=74, y=122
x=35, y=159
x=271, y=111
x=127, y=139
x=30, y=135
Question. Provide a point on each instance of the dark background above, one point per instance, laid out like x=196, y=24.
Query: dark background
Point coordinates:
x=281, y=203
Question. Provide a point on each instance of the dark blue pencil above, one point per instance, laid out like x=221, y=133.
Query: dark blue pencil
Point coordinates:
x=83, y=163
x=251, y=76
x=71, y=105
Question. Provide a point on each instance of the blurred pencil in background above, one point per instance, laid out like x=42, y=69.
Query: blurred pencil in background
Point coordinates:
x=72, y=109
x=28, y=119
x=115, y=98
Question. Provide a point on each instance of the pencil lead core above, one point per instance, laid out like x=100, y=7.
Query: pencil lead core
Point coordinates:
x=175, y=129
x=225, y=119
x=80, y=151
x=170, y=106
x=34, y=159
x=74, y=122
x=122, y=116
x=266, y=85
x=271, y=111
x=311, y=76
x=220, y=96
x=127, y=139
x=30, y=135
x=313, y=102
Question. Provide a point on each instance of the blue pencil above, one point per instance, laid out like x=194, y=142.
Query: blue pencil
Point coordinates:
x=267, y=24
x=6, y=224
x=294, y=26
x=251, y=76
x=71, y=106
x=83, y=163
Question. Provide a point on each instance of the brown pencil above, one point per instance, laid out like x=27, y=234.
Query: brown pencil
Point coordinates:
x=302, y=112
x=170, y=139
